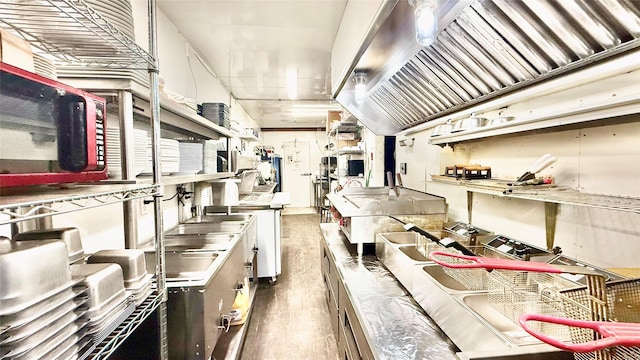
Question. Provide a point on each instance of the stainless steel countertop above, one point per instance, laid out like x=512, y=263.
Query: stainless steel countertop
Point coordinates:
x=255, y=201
x=394, y=325
x=266, y=188
x=351, y=202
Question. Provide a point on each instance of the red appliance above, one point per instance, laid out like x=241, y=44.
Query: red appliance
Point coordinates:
x=49, y=132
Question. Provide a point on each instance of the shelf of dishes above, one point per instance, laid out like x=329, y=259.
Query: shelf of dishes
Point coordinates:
x=177, y=157
x=349, y=126
x=250, y=134
x=38, y=202
x=551, y=194
x=477, y=127
x=89, y=32
x=174, y=113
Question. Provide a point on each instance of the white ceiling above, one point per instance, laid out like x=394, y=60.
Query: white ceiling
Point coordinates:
x=251, y=44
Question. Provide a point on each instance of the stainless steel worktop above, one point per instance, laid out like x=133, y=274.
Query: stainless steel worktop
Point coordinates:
x=256, y=200
x=394, y=325
x=352, y=202
x=364, y=212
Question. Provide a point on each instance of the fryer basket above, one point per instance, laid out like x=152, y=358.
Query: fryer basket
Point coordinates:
x=623, y=305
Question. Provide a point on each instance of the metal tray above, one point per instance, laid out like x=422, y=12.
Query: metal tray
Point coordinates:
x=25, y=278
x=131, y=261
x=105, y=286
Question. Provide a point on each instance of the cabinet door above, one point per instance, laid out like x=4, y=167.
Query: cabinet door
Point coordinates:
x=349, y=324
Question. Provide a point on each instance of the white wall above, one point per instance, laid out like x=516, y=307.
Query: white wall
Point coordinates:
x=181, y=69
x=601, y=160
x=374, y=157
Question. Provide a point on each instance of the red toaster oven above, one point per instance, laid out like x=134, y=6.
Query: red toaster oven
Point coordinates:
x=49, y=132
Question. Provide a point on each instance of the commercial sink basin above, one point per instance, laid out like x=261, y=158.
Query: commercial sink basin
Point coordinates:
x=198, y=242
x=398, y=252
x=207, y=228
x=401, y=238
x=412, y=252
x=437, y=273
x=220, y=219
x=185, y=266
x=479, y=303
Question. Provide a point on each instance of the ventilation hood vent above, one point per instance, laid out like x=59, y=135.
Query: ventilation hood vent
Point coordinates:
x=488, y=48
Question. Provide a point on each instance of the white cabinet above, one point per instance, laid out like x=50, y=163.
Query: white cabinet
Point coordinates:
x=269, y=250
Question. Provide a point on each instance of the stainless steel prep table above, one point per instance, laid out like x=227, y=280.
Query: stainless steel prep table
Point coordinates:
x=267, y=208
x=394, y=326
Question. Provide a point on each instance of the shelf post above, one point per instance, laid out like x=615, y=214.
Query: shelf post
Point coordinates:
x=154, y=102
x=127, y=154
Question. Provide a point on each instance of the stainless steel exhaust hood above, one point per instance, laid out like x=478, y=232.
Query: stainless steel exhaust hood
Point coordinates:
x=485, y=49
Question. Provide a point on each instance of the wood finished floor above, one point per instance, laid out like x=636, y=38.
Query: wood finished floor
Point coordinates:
x=290, y=320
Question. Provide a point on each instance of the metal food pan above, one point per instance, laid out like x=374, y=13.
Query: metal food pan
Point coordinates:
x=132, y=262
x=31, y=271
x=36, y=310
x=105, y=286
x=70, y=236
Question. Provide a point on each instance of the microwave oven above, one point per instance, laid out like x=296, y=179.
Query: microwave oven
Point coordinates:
x=355, y=167
x=49, y=132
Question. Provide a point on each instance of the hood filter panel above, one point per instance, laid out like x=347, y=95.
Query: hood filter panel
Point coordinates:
x=495, y=46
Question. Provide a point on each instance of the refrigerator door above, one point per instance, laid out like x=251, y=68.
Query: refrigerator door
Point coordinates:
x=276, y=162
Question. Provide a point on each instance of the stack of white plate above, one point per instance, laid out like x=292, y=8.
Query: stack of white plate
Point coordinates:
x=141, y=145
x=190, y=103
x=169, y=157
x=187, y=102
x=44, y=66
x=118, y=14
x=210, y=154
x=191, y=157
x=142, y=151
x=114, y=168
x=81, y=71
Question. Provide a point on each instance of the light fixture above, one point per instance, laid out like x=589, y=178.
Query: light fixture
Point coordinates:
x=360, y=89
x=426, y=21
x=292, y=83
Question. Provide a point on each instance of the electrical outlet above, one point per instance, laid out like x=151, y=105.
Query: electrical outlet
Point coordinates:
x=403, y=168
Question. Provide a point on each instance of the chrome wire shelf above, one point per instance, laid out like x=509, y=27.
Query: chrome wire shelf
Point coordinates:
x=117, y=337
x=51, y=201
x=74, y=33
x=350, y=151
x=550, y=194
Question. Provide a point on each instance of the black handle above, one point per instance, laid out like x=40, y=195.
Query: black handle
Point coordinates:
x=450, y=243
x=71, y=116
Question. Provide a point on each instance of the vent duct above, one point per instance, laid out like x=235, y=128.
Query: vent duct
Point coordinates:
x=486, y=49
